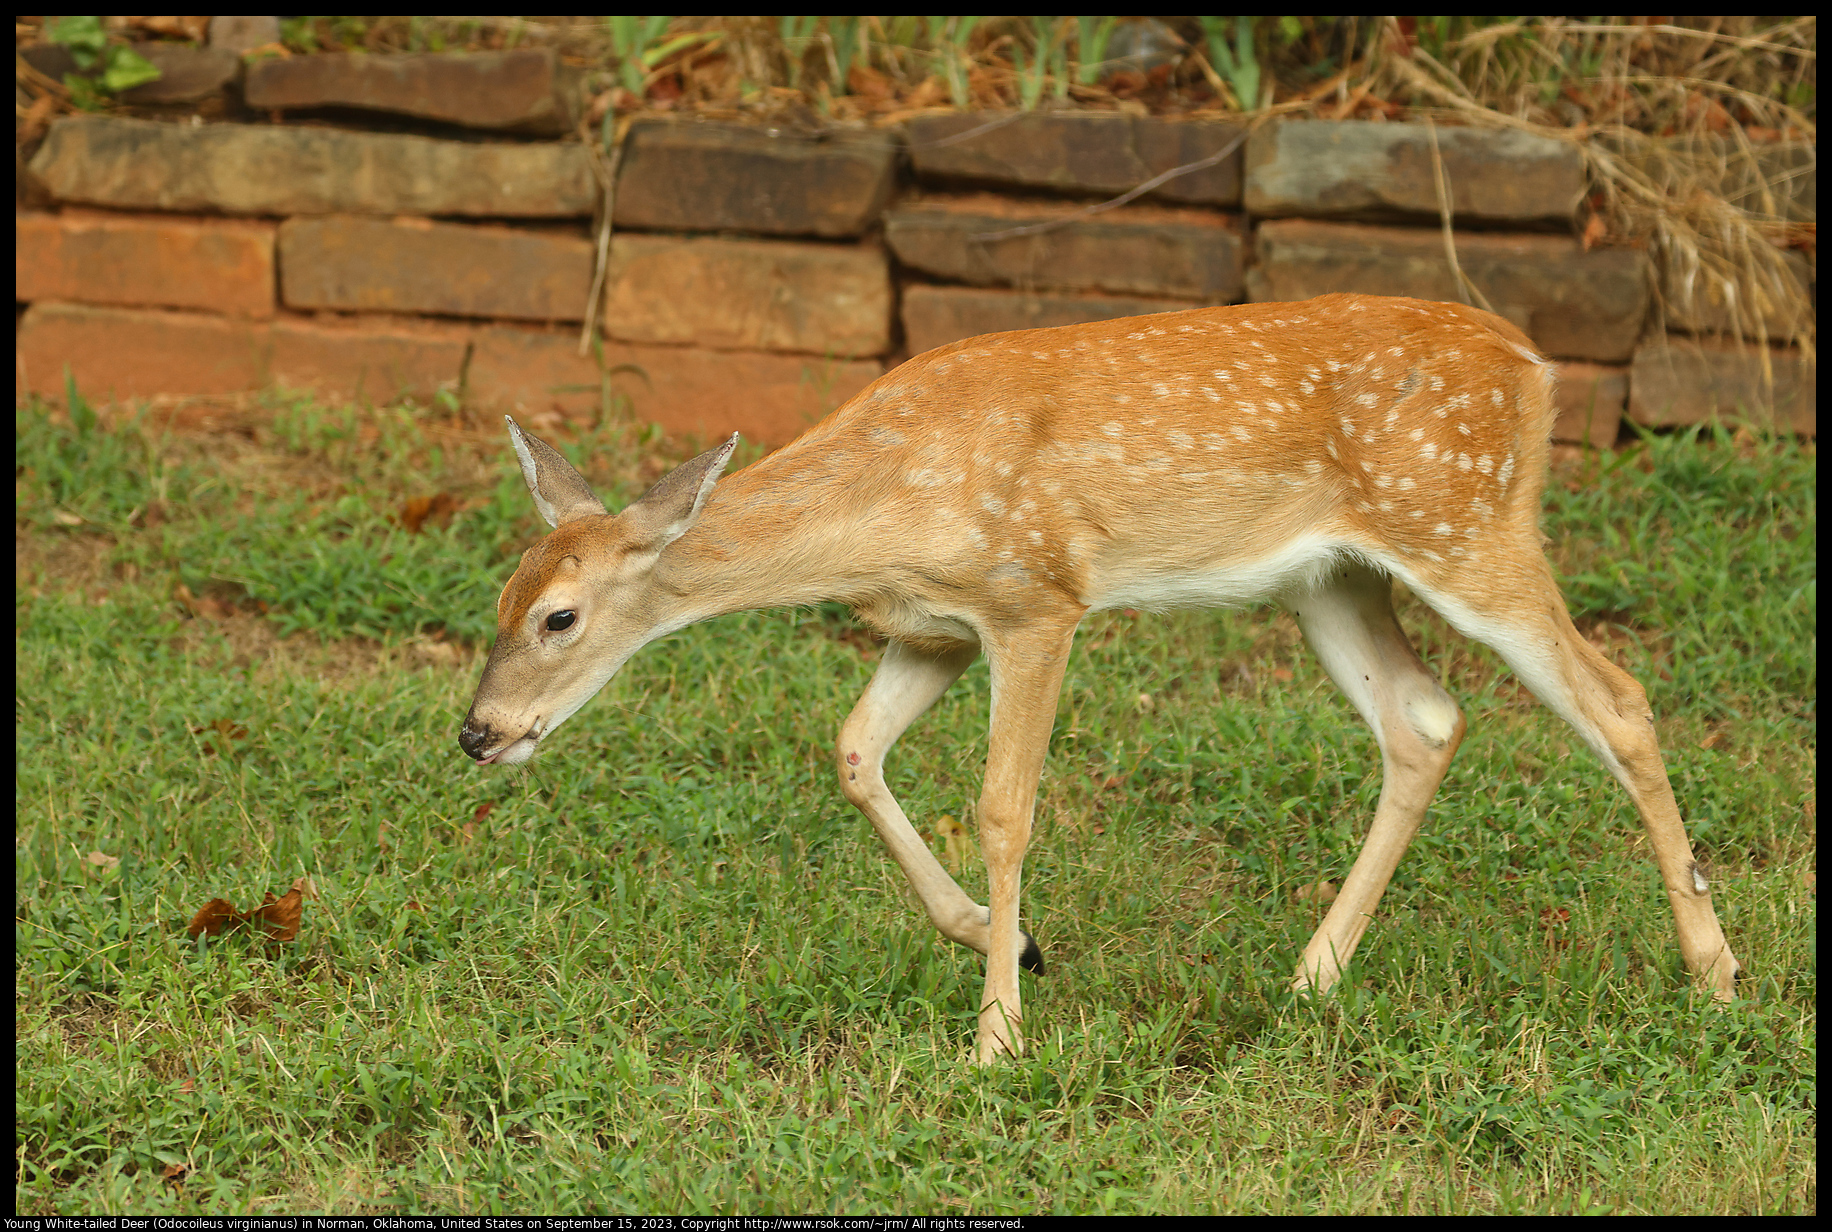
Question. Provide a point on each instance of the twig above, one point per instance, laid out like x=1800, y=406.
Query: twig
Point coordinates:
x=1201, y=164
x=1466, y=286
x=606, y=171
x=43, y=81
x=970, y=134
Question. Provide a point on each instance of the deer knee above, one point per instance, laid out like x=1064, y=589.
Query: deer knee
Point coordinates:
x=1434, y=718
x=860, y=773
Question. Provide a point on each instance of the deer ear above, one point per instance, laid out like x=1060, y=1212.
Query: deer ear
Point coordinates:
x=668, y=509
x=560, y=493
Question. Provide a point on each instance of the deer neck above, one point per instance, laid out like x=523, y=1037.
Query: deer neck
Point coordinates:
x=772, y=535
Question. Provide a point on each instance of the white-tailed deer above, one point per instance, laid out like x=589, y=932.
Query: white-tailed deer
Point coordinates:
x=986, y=496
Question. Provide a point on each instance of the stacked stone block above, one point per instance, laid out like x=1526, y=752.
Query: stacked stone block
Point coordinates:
x=757, y=277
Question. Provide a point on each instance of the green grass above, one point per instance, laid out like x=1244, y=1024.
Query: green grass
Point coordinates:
x=669, y=970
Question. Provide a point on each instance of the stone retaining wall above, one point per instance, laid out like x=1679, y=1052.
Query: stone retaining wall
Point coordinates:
x=760, y=276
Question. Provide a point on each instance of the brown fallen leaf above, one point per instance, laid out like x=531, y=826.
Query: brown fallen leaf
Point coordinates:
x=101, y=861
x=209, y=607
x=307, y=890
x=277, y=917
x=226, y=730
x=437, y=509
x=470, y=827
x=218, y=916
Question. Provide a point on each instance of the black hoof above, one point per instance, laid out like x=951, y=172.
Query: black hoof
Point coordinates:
x=1032, y=958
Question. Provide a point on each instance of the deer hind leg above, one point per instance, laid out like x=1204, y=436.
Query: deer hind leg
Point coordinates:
x=1348, y=620
x=1027, y=669
x=1522, y=615
x=907, y=683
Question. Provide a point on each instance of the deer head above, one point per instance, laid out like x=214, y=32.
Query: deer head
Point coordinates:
x=583, y=599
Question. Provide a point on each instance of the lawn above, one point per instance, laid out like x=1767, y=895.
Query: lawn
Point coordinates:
x=667, y=969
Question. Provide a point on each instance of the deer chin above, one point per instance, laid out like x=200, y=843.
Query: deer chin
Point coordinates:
x=514, y=753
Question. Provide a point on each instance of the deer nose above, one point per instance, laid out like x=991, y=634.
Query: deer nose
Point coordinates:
x=473, y=738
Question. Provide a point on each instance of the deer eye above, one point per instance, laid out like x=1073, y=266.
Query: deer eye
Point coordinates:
x=560, y=620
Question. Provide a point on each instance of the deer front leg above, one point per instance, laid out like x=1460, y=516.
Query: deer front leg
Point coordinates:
x=907, y=684
x=1026, y=680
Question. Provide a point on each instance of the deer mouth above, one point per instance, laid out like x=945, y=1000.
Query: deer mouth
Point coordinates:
x=514, y=753
x=511, y=753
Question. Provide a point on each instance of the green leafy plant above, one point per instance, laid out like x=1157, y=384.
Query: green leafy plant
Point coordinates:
x=1238, y=65
x=108, y=67
x=1047, y=62
x=1092, y=47
x=842, y=45
x=949, y=36
x=631, y=37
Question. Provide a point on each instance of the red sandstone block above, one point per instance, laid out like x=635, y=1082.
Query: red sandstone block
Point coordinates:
x=1676, y=380
x=689, y=391
x=130, y=353
x=1590, y=400
x=767, y=295
x=368, y=359
x=534, y=372
x=353, y=264
x=936, y=316
x=139, y=261
x=771, y=399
